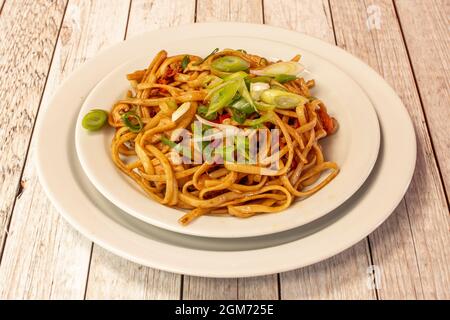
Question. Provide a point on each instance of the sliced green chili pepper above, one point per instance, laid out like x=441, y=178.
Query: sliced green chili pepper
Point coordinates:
x=94, y=119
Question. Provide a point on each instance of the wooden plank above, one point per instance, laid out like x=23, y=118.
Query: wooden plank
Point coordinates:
x=392, y=244
x=2, y=2
x=342, y=276
x=256, y=288
x=311, y=17
x=229, y=10
x=23, y=79
x=425, y=28
x=111, y=276
x=425, y=207
x=147, y=15
x=44, y=257
x=197, y=288
x=252, y=288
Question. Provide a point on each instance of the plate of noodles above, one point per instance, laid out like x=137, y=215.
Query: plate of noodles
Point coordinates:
x=93, y=215
x=229, y=143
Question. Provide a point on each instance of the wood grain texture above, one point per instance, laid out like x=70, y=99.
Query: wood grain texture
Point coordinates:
x=256, y=288
x=110, y=276
x=425, y=26
x=394, y=253
x=199, y=288
x=207, y=288
x=147, y=15
x=45, y=257
x=229, y=10
x=311, y=17
x=392, y=244
x=2, y=2
x=342, y=276
x=424, y=204
x=26, y=49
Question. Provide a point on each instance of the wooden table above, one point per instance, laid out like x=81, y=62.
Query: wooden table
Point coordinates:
x=406, y=41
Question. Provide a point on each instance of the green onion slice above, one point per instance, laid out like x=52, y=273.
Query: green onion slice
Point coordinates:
x=223, y=96
x=230, y=64
x=94, y=119
x=185, y=62
x=168, y=142
x=132, y=121
x=236, y=75
x=282, y=78
x=282, y=99
x=239, y=116
x=261, y=79
x=203, y=112
x=268, y=117
x=209, y=55
x=243, y=106
x=246, y=95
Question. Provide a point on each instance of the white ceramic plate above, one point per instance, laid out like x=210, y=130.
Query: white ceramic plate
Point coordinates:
x=354, y=147
x=95, y=217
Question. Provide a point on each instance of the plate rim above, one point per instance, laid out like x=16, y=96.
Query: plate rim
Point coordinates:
x=259, y=270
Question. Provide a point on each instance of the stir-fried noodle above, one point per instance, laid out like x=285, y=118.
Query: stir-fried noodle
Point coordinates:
x=229, y=106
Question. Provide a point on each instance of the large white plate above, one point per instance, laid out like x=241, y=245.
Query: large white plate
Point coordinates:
x=100, y=221
x=354, y=147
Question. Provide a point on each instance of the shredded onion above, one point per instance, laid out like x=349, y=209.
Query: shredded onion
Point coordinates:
x=216, y=125
x=176, y=134
x=257, y=88
x=286, y=67
x=180, y=111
